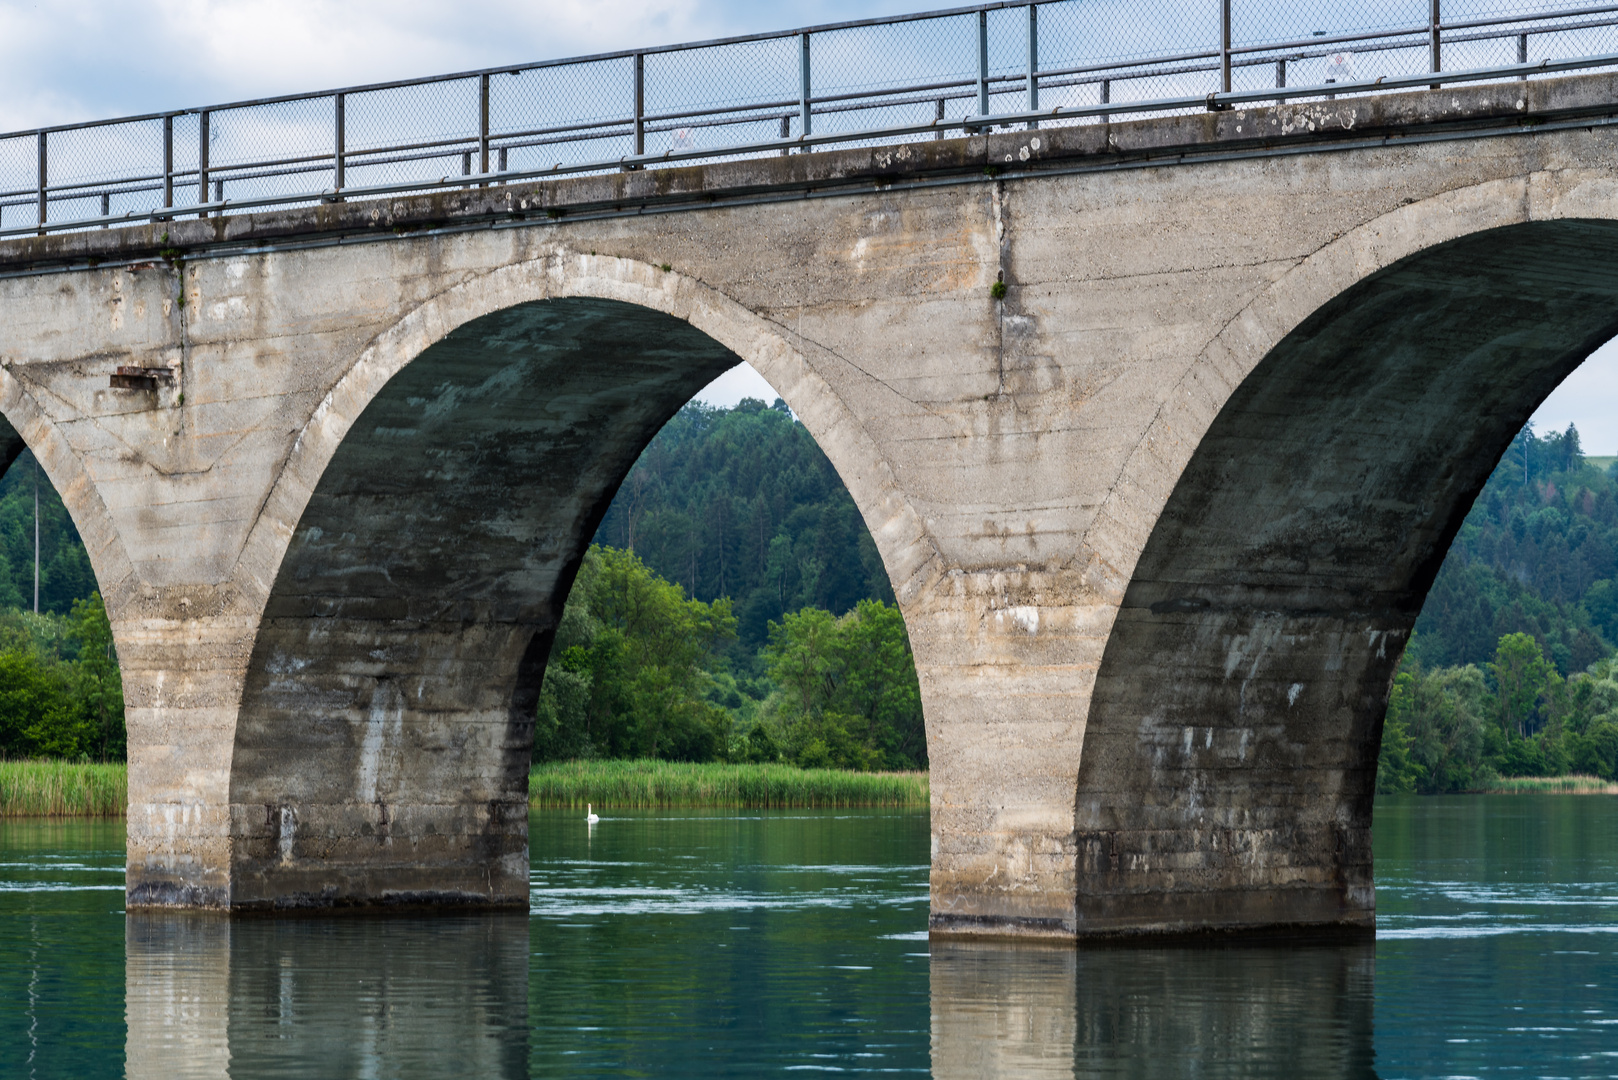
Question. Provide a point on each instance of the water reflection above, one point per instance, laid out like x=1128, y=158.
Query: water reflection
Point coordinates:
x=1010, y=1011
x=360, y=997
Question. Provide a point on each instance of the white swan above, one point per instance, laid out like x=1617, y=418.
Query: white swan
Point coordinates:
x=590, y=815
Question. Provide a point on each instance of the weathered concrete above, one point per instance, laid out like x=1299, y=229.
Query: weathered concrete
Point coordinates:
x=1208, y=449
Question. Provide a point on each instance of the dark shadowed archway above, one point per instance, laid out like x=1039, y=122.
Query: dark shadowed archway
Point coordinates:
x=1230, y=754
x=382, y=747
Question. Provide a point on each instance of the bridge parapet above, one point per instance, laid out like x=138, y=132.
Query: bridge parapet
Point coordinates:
x=888, y=80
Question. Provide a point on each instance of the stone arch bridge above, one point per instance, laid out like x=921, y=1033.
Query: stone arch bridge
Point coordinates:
x=1160, y=517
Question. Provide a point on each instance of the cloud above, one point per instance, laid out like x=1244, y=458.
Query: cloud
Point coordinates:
x=68, y=62
x=1589, y=399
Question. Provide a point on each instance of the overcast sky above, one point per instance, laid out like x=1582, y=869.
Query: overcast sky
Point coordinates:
x=64, y=62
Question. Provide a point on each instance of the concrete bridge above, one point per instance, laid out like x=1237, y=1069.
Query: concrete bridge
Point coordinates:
x=1160, y=513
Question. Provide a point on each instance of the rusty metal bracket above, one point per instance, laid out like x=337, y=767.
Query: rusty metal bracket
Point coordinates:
x=140, y=378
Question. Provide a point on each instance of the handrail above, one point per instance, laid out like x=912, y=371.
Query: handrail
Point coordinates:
x=255, y=144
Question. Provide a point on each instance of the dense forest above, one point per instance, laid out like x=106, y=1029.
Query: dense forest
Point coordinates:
x=742, y=503
x=1510, y=671
x=734, y=607
x=1537, y=554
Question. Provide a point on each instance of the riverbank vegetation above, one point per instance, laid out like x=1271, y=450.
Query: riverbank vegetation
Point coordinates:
x=743, y=785
x=1467, y=727
x=56, y=788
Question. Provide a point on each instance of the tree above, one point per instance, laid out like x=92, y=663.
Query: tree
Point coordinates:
x=848, y=695
x=1522, y=677
x=628, y=674
x=98, y=684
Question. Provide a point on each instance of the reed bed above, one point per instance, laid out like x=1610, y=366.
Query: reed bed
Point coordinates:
x=88, y=790
x=674, y=784
x=63, y=789
x=1551, y=785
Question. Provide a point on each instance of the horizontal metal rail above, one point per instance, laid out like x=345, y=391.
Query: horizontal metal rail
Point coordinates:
x=306, y=148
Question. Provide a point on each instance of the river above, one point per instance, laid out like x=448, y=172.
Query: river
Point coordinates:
x=743, y=944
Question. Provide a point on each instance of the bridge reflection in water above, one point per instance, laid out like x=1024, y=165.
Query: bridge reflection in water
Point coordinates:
x=1239, y=1010
x=213, y=997
x=448, y=996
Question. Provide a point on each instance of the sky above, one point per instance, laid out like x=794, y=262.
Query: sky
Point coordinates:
x=1587, y=398
x=62, y=62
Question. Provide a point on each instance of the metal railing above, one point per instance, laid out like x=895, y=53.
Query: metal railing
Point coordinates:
x=1017, y=63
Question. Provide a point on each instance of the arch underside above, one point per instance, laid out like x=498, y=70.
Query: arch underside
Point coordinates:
x=1230, y=754
x=384, y=736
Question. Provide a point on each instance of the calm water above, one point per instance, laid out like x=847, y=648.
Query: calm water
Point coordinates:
x=746, y=944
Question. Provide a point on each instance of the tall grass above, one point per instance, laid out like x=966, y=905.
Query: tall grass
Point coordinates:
x=62, y=789
x=1551, y=785
x=79, y=789
x=671, y=783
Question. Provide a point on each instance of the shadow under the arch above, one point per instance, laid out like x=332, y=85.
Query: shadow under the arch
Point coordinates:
x=1230, y=754
x=384, y=736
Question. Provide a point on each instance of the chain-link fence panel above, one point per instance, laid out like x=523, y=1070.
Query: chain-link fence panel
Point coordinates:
x=1260, y=22
x=1486, y=36
x=1122, y=51
x=284, y=148
x=721, y=95
x=19, y=157
x=410, y=134
x=912, y=74
x=563, y=115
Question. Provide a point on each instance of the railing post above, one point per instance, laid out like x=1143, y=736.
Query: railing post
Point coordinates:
x=1224, y=45
x=938, y=118
x=1522, y=54
x=44, y=173
x=483, y=125
x=1033, y=62
x=640, y=103
x=106, y=207
x=804, y=87
x=1435, y=59
x=983, y=63
x=168, y=160
x=1106, y=99
x=786, y=132
x=340, y=138
x=1281, y=79
x=205, y=121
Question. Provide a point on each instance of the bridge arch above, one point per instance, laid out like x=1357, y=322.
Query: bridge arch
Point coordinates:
x=433, y=516
x=1276, y=590
x=772, y=350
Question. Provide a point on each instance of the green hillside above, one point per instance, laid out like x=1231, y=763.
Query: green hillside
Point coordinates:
x=742, y=503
